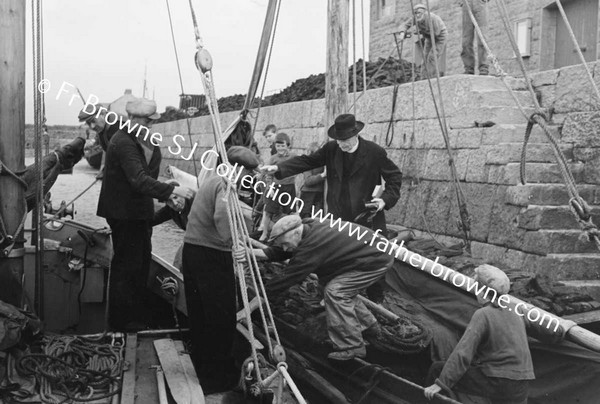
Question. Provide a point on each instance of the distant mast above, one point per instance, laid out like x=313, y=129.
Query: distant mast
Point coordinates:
x=145, y=87
x=12, y=143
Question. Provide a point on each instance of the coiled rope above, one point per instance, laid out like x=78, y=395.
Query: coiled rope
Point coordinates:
x=74, y=369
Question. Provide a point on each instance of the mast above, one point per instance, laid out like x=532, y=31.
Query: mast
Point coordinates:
x=336, y=75
x=12, y=142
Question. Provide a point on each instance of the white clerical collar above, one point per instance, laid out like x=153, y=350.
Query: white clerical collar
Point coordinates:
x=354, y=148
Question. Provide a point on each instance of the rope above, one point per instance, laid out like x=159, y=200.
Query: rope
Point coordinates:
x=354, y=54
x=187, y=118
x=64, y=207
x=73, y=368
x=389, y=139
x=364, y=56
x=577, y=204
x=239, y=231
x=441, y=116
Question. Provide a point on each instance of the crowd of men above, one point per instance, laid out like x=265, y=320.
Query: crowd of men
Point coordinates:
x=492, y=358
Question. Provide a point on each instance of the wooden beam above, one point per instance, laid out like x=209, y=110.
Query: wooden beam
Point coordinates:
x=336, y=76
x=12, y=140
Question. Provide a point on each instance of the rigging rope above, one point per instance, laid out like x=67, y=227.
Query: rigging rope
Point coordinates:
x=238, y=227
x=187, y=118
x=577, y=204
x=441, y=116
x=354, y=54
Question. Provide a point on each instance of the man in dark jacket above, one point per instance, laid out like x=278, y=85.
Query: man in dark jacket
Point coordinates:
x=347, y=259
x=354, y=167
x=126, y=202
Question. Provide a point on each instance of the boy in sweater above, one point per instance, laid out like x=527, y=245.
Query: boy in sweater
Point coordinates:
x=492, y=358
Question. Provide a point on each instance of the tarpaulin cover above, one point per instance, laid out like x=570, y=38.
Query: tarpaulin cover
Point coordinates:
x=565, y=372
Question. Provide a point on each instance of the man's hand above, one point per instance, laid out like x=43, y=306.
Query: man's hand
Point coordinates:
x=324, y=173
x=380, y=203
x=432, y=390
x=184, y=192
x=270, y=169
x=401, y=35
x=239, y=254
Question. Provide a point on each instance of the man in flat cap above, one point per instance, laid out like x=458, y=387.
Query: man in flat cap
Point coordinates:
x=427, y=22
x=492, y=359
x=354, y=166
x=129, y=185
x=209, y=278
x=344, y=264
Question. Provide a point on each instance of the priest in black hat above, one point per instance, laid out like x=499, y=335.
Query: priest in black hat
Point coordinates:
x=354, y=167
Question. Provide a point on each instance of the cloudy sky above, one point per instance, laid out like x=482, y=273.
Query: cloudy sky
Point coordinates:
x=103, y=46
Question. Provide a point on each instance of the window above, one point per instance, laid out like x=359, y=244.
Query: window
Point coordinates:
x=523, y=36
x=386, y=8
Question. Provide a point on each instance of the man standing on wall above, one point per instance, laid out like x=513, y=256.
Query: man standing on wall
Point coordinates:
x=426, y=22
x=478, y=8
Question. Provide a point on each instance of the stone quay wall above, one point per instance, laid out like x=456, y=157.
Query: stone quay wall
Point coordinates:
x=525, y=227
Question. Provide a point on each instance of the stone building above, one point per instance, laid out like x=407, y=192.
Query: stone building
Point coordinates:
x=542, y=35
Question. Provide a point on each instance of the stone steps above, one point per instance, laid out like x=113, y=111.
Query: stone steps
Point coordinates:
x=549, y=194
x=571, y=266
x=561, y=241
x=537, y=217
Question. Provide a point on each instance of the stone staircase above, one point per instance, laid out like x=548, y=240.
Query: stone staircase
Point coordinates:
x=523, y=227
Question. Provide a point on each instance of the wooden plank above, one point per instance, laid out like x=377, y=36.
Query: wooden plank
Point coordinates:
x=584, y=318
x=190, y=373
x=128, y=388
x=244, y=331
x=174, y=371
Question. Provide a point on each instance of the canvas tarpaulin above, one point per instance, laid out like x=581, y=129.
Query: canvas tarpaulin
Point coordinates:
x=565, y=372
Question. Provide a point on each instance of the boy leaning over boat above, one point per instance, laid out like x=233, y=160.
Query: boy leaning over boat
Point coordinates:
x=492, y=358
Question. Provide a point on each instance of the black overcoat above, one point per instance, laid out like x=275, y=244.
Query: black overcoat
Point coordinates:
x=370, y=165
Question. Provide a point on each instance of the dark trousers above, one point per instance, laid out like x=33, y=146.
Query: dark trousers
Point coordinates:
x=498, y=389
x=311, y=199
x=132, y=248
x=211, y=304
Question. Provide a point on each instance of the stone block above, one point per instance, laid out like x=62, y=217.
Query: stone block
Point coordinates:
x=466, y=138
x=477, y=171
x=573, y=90
x=374, y=106
x=569, y=266
x=547, y=217
x=547, y=194
x=414, y=163
x=544, y=78
x=436, y=206
x=498, y=115
x=503, y=228
x=505, y=153
x=480, y=200
x=557, y=242
x=540, y=173
x=424, y=134
x=437, y=167
x=582, y=128
x=547, y=95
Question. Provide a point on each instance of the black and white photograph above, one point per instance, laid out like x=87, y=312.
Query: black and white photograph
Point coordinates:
x=300, y=201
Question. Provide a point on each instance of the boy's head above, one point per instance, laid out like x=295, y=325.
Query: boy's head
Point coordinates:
x=493, y=278
x=270, y=133
x=282, y=143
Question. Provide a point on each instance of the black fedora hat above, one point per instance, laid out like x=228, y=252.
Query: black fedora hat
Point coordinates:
x=344, y=127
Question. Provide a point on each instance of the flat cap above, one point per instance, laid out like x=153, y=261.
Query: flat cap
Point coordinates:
x=142, y=107
x=493, y=277
x=243, y=156
x=284, y=225
x=418, y=6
